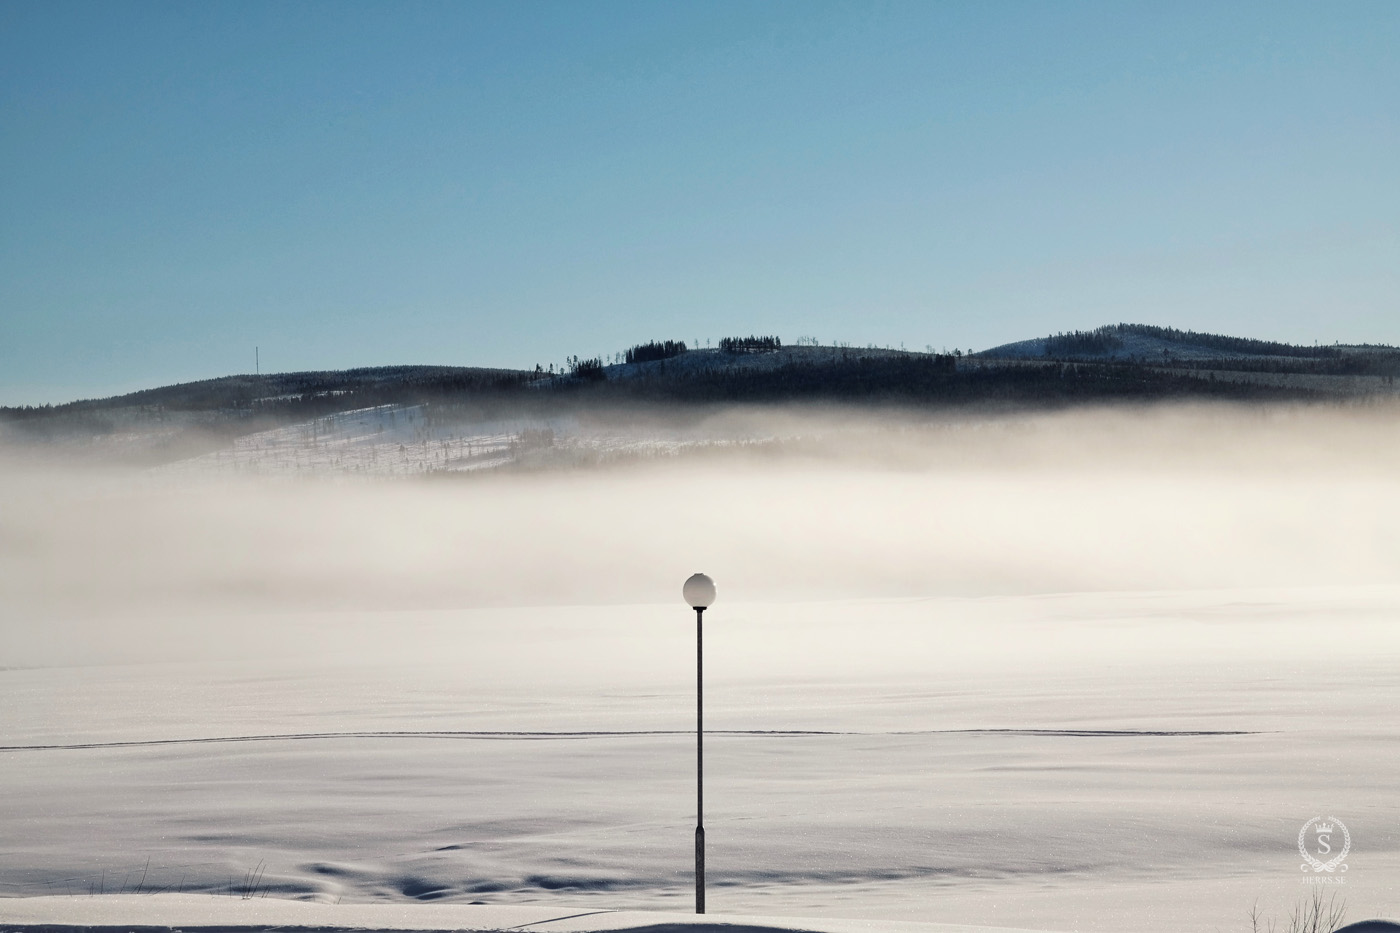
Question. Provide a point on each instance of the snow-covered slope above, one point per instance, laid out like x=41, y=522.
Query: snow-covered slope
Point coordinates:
x=1146, y=344
x=393, y=440
x=698, y=361
x=1134, y=347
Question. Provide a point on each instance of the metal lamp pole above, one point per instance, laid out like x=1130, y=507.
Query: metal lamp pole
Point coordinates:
x=699, y=759
x=699, y=592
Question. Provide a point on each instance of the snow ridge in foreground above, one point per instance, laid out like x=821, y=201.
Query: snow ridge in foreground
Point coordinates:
x=186, y=911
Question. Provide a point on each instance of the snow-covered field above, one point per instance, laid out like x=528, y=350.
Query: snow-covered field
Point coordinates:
x=1104, y=762
x=1016, y=688
x=165, y=913
x=392, y=440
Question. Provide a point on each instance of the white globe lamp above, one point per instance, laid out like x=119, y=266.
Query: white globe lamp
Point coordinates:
x=699, y=591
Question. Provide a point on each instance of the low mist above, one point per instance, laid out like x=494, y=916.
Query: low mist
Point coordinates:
x=802, y=505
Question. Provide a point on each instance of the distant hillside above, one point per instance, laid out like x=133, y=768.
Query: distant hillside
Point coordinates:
x=169, y=422
x=1145, y=343
x=244, y=391
x=1116, y=363
x=852, y=375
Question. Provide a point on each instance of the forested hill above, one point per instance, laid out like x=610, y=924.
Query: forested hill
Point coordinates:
x=1146, y=343
x=382, y=383
x=1123, y=362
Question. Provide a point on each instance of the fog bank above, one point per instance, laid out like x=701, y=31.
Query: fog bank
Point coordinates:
x=838, y=505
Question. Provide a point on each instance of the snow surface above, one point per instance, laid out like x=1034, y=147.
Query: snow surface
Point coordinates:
x=186, y=911
x=993, y=762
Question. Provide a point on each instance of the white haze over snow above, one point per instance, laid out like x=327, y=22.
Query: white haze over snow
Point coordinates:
x=1099, y=583
x=1111, y=501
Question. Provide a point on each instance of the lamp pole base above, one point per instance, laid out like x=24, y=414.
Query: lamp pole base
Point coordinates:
x=699, y=869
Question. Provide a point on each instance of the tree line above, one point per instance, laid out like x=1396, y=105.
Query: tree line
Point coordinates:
x=749, y=344
x=655, y=350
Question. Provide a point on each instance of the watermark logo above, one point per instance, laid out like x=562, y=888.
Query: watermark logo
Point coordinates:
x=1317, y=844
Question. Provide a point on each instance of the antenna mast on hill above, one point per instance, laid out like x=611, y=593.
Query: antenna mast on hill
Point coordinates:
x=257, y=362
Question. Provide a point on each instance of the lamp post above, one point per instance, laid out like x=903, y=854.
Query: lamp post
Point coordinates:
x=699, y=591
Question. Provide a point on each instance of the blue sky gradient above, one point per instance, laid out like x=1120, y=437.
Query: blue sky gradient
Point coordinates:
x=350, y=184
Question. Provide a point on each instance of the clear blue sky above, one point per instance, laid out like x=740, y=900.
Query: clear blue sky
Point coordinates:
x=351, y=183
